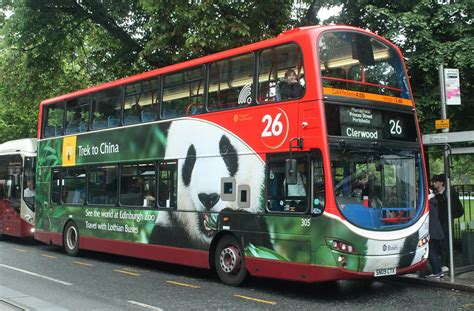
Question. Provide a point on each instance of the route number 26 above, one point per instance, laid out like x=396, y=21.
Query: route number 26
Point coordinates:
x=395, y=128
x=274, y=127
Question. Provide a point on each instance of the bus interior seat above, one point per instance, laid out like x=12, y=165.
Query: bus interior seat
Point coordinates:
x=148, y=115
x=49, y=131
x=99, y=124
x=169, y=113
x=113, y=121
x=58, y=131
x=72, y=128
x=82, y=126
x=131, y=119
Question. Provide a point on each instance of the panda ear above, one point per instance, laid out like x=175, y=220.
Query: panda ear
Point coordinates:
x=229, y=154
x=188, y=165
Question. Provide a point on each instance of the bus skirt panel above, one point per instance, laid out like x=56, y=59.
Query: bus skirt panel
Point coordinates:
x=311, y=273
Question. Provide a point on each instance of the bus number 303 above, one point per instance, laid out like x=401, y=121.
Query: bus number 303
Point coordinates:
x=274, y=127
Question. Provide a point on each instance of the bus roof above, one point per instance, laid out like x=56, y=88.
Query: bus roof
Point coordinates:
x=287, y=36
x=26, y=145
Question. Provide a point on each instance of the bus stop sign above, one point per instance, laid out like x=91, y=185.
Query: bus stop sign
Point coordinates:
x=442, y=124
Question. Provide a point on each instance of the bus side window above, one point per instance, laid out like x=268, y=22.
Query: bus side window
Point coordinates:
x=137, y=184
x=106, y=108
x=183, y=93
x=228, y=79
x=141, y=100
x=167, y=184
x=103, y=185
x=55, y=185
x=74, y=185
x=54, y=120
x=281, y=74
x=77, y=115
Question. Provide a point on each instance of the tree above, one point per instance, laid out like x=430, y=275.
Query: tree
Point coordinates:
x=53, y=47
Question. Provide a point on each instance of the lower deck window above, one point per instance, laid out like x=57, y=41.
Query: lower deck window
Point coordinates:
x=137, y=184
x=103, y=185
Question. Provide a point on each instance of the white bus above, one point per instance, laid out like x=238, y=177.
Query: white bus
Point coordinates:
x=17, y=187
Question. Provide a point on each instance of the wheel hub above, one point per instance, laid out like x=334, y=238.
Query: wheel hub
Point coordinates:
x=71, y=237
x=230, y=259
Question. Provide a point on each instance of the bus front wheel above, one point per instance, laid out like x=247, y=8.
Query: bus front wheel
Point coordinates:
x=229, y=261
x=71, y=239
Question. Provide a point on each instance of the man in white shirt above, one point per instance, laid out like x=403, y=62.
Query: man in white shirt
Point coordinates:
x=298, y=189
x=29, y=191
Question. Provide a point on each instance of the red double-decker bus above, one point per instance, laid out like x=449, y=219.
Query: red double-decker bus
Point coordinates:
x=297, y=157
x=17, y=187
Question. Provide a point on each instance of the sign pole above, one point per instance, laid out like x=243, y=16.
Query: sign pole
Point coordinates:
x=447, y=168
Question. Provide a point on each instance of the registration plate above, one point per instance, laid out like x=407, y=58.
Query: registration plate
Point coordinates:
x=385, y=272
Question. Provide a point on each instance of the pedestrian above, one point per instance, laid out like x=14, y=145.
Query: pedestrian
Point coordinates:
x=436, y=239
x=439, y=186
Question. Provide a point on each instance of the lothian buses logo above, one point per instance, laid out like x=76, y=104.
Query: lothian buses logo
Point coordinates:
x=390, y=248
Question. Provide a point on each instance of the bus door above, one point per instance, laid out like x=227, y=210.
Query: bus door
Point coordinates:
x=288, y=206
x=12, y=194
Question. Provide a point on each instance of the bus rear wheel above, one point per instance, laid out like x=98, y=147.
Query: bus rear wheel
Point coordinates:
x=229, y=261
x=71, y=239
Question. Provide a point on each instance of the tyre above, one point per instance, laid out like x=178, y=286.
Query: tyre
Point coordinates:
x=229, y=261
x=71, y=239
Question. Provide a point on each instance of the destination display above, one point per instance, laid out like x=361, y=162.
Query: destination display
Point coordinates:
x=370, y=123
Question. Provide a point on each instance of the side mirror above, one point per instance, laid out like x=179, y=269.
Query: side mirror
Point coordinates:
x=290, y=172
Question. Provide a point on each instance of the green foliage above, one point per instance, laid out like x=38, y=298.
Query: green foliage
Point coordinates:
x=52, y=47
x=48, y=48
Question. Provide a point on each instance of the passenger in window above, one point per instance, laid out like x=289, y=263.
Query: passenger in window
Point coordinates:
x=298, y=189
x=136, y=109
x=297, y=192
x=149, y=199
x=290, y=87
x=29, y=191
x=76, y=119
x=369, y=190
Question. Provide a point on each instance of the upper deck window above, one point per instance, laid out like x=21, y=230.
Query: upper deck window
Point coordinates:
x=183, y=93
x=231, y=82
x=54, y=115
x=281, y=74
x=77, y=115
x=141, y=100
x=358, y=62
x=106, y=108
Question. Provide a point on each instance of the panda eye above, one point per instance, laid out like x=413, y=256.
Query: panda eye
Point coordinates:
x=224, y=149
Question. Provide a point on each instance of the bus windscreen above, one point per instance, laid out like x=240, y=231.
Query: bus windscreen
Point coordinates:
x=358, y=62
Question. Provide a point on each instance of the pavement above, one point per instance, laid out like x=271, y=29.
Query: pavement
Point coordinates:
x=14, y=300
x=463, y=279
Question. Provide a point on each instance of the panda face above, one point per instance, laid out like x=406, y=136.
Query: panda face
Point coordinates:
x=201, y=178
x=206, y=154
